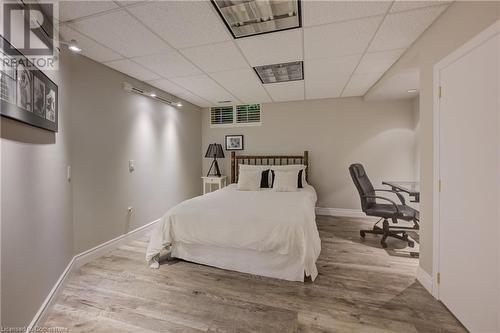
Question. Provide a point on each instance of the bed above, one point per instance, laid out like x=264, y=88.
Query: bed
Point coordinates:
x=262, y=232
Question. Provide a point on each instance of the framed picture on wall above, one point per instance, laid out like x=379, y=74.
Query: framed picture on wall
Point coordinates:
x=234, y=142
x=24, y=88
x=8, y=83
x=26, y=93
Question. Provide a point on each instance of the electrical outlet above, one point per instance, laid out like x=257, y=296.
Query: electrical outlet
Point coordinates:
x=131, y=166
x=130, y=210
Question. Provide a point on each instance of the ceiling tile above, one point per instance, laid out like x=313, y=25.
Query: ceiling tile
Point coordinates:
x=90, y=48
x=325, y=87
x=396, y=85
x=183, y=23
x=340, y=39
x=70, y=10
x=404, y=5
x=179, y=92
x=168, y=64
x=268, y=49
x=325, y=78
x=321, y=12
x=216, y=57
x=196, y=100
x=331, y=66
x=402, y=29
x=167, y=86
x=377, y=62
x=204, y=87
x=125, y=3
x=360, y=83
x=243, y=84
x=122, y=33
x=132, y=69
x=286, y=91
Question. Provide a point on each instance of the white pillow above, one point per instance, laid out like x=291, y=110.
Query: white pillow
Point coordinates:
x=285, y=181
x=294, y=167
x=260, y=167
x=249, y=180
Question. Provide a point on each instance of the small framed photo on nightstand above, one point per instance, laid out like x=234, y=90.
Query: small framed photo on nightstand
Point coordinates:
x=234, y=142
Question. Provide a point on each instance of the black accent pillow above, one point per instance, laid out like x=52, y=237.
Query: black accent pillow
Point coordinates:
x=299, y=178
x=264, y=179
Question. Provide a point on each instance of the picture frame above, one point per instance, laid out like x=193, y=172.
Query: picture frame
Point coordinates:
x=234, y=142
x=26, y=93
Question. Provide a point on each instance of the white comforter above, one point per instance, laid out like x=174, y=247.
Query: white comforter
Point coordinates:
x=278, y=222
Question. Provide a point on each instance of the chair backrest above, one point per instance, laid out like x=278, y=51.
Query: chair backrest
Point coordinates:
x=363, y=185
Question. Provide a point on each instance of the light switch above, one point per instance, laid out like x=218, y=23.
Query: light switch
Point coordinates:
x=131, y=166
x=68, y=173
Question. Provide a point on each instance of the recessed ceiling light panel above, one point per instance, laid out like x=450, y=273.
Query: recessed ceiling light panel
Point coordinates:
x=290, y=71
x=254, y=17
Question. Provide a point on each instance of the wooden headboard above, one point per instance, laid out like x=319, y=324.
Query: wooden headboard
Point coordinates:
x=236, y=160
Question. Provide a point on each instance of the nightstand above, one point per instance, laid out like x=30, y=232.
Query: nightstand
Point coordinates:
x=220, y=181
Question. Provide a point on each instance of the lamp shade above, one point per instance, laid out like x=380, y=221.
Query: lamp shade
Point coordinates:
x=215, y=150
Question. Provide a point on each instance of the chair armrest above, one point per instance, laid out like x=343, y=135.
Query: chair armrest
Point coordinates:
x=400, y=196
x=382, y=198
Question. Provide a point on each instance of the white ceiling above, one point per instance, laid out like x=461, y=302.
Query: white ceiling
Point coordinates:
x=183, y=47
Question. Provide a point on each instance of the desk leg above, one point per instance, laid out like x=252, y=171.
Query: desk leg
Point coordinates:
x=204, y=188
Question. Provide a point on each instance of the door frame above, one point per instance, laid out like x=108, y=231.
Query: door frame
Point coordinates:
x=473, y=43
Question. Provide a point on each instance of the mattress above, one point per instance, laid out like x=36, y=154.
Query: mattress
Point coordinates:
x=265, y=223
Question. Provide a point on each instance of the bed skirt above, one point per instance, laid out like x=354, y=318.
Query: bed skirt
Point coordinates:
x=268, y=264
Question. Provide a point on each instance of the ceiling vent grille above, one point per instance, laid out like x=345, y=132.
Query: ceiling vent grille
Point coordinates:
x=290, y=71
x=246, y=18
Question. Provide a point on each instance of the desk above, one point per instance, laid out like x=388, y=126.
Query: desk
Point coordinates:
x=411, y=188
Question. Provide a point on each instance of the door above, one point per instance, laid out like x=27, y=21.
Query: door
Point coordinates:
x=469, y=259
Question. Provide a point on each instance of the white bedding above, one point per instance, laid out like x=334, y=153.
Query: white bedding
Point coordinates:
x=264, y=221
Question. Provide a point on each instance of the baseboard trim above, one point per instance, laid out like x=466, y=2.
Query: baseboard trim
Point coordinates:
x=80, y=260
x=425, y=279
x=341, y=212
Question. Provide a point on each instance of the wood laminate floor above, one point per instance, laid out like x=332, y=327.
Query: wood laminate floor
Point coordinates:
x=360, y=288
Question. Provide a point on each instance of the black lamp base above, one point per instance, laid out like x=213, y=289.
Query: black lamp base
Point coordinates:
x=217, y=170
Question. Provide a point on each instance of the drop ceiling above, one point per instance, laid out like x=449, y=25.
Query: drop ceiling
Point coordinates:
x=184, y=47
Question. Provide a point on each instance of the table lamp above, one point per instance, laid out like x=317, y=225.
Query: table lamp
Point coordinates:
x=214, y=151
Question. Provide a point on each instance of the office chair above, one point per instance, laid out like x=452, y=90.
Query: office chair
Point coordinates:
x=390, y=210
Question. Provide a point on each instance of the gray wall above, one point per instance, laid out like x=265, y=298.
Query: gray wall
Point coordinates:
x=46, y=220
x=111, y=127
x=337, y=132
x=459, y=23
x=36, y=209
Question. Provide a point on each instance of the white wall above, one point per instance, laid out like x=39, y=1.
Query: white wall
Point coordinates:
x=416, y=121
x=337, y=132
x=459, y=23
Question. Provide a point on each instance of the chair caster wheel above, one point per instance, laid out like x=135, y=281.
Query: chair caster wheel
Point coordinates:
x=362, y=234
x=384, y=244
x=411, y=244
x=405, y=236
